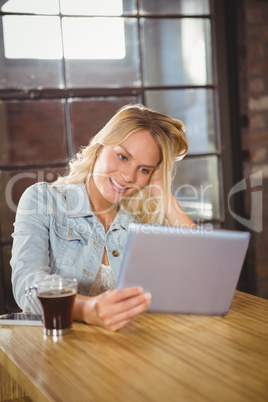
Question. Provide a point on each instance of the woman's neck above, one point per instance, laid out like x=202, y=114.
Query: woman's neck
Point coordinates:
x=103, y=209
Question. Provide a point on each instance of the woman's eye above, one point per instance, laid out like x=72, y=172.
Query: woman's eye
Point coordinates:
x=145, y=171
x=122, y=157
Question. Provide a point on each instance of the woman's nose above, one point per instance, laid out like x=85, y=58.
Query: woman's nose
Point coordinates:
x=129, y=174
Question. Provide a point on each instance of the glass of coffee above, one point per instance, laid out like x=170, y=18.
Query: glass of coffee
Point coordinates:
x=56, y=296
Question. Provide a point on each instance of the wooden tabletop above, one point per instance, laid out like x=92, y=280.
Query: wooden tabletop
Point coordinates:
x=157, y=357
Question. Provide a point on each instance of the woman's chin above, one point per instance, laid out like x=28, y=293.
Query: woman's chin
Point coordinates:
x=113, y=199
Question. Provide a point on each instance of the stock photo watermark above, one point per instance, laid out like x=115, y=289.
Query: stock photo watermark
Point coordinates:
x=197, y=201
x=255, y=220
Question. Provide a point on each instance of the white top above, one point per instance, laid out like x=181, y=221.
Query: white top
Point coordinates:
x=104, y=280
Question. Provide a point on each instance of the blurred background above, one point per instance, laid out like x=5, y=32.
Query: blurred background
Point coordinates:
x=67, y=66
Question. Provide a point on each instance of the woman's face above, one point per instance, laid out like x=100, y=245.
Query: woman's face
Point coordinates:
x=122, y=169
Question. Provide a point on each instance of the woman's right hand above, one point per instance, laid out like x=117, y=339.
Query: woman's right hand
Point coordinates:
x=112, y=309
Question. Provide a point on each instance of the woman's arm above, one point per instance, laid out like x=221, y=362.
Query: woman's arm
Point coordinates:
x=176, y=215
x=30, y=251
x=112, y=309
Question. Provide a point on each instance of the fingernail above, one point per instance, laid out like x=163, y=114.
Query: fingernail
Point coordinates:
x=148, y=297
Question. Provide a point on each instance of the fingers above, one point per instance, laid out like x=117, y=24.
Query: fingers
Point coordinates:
x=119, y=295
x=114, y=309
x=123, y=318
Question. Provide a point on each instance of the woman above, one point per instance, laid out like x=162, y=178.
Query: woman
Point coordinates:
x=78, y=225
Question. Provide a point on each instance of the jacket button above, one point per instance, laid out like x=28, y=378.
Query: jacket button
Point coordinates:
x=115, y=253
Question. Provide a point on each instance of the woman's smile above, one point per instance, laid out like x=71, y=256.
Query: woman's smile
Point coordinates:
x=118, y=187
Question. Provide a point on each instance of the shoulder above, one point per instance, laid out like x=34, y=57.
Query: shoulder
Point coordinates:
x=31, y=195
x=44, y=188
x=44, y=199
x=43, y=193
x=33, y=200
x=41, y=190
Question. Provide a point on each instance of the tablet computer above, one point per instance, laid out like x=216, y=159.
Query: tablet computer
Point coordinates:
x=21, y=319
x=188, y=271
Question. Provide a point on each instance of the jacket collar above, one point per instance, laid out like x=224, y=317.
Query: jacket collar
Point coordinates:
x=77, y=202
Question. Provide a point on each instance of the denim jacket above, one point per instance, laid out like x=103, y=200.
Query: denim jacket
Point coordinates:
x=56, y=233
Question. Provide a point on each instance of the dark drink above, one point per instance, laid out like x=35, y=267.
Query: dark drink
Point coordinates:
x=57, y=307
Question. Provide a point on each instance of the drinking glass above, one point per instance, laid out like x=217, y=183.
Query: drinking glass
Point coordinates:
x=56, y=295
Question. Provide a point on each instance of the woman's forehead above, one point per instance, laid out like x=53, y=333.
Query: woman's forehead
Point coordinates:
x=142, y=144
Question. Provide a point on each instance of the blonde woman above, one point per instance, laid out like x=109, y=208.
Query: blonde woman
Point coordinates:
x=78, y=225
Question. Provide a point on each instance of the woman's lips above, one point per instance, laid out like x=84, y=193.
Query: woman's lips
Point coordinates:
x=117, y=186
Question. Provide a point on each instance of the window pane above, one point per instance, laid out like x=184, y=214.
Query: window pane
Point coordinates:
x=196, y=108
x=30, y=54
x=27, y=37
x=186, y=7
x=106, y=59
x=12, y=185
x=30, y=6
x=88, y=116
x=88, y=38
x=176, y=51
x=100, y=7
x=32, y=132
x=196, y=187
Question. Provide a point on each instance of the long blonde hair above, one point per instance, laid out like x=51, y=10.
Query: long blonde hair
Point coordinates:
x=169, y=135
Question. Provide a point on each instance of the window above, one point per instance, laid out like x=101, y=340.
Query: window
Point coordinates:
x=66, y=67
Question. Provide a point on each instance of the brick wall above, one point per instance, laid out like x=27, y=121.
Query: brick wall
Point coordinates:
x=253, y=90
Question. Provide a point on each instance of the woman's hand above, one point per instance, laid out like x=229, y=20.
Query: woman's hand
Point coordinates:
x=112, y=309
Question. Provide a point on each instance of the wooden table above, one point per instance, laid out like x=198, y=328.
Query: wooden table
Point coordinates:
x=158, y=357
